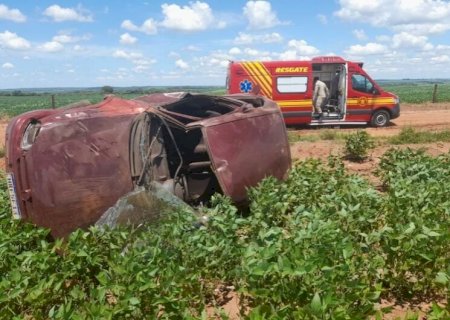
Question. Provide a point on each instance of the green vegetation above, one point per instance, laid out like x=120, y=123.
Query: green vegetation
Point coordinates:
x=293, y=136
x=322, y=134
x=407, y=135
x=411, y=135
x=15, y=105
x=416, y=91
x=16, y=102
x=358, y=145
x=107, y=89
x=324, y=244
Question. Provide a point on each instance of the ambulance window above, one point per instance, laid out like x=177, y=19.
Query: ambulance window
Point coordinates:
x=361, y=83
x=292, y=84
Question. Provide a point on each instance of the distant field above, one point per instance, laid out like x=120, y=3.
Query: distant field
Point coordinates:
x=15, y=105
x=418, y=92
x=11, y=105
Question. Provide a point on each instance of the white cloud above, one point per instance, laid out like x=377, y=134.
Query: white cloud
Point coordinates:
x=7, y=65
x=359, y=34
x=127, y=55
x=63, y=38
x=322, y=18
x=78, y=48
x=260, y=15
x=135, y=57
x=302, y=47
x=418, y=16
x=140, y=68
x=149, y=26
x=441, y=59
x=11, y=40
x=127, y=38
x=197, y=16
x=143, y=62
x=442, y=47
x=235, y=51
x=291, y=55
x=129, y=25
x=68, y=38
x=288, y=55
x=51, y=47
x=60, y=14
x=251, y=52
x=245, y=38
x=254, y=54
x=407, y=40
x=425, y=28
x=180, y=63
x=213, y=64
x=370, y=48
x=11, y=14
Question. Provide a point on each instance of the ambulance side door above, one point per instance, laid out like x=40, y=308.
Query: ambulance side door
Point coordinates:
x=362, y=95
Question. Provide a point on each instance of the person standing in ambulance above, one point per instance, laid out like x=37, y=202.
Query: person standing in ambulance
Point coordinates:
x=320, y=96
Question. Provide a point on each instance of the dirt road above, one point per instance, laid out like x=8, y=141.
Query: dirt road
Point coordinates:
x=421, y=117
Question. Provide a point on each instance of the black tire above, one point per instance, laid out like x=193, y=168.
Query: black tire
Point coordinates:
x=380, y=118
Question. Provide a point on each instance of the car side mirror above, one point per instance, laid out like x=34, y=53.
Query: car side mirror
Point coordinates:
x=375, y=91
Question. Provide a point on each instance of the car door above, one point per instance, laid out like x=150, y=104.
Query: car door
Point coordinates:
x=361, y=97
x=246, y=146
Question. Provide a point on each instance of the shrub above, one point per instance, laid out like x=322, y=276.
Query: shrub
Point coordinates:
x=107, y=90
x=417, y=220
x=358, y=145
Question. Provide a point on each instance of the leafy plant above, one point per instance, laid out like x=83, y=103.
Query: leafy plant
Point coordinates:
x=324, y=244
x=358, y=145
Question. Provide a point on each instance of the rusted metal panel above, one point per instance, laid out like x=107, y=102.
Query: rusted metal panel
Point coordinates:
x=78, y=166
x=246, y=149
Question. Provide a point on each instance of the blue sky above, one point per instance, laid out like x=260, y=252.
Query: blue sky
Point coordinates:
x=148, y=43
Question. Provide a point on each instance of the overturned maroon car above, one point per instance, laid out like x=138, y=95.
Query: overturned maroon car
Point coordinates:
x=66, y=167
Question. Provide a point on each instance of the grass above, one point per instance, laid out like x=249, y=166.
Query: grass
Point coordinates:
x=407, y=135
x=321, y=135
x=412, y=136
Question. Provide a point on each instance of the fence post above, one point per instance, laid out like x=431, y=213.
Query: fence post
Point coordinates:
x=53, y=101
x=435, y=93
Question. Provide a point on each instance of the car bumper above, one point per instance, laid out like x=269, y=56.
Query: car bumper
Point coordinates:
x=395, y=111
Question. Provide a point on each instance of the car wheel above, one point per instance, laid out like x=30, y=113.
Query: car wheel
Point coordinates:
x=380, y=118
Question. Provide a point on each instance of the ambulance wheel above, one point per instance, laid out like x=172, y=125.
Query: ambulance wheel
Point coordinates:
x=380, y=118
